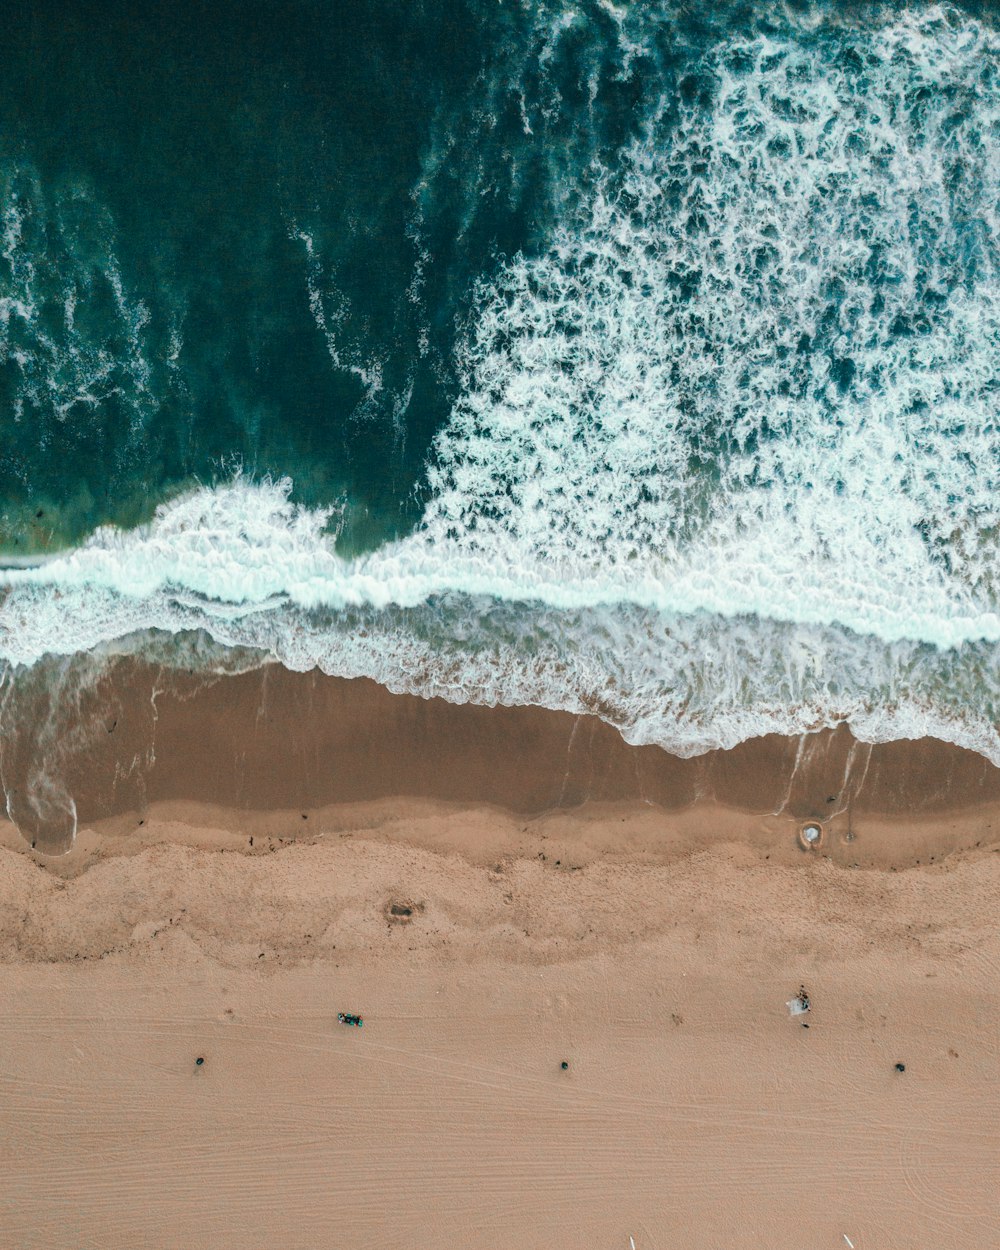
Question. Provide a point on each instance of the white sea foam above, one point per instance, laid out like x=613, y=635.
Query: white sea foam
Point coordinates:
x=330, y=309
x=51, y=269
x=796, y=287
x=725, y=458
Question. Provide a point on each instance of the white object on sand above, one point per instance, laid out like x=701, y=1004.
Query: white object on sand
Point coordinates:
x=810, y=836
x=796, y=1007
x=849, y=1242
x=631, y=1242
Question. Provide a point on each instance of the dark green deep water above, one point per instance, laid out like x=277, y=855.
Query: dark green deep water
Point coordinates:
x=185, y=144
x=184, y=151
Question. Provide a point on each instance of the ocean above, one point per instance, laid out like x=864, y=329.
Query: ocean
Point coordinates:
x=640, y=360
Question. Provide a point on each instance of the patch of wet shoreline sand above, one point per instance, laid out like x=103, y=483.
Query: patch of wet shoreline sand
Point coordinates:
x=138, y=736
x=654, y=952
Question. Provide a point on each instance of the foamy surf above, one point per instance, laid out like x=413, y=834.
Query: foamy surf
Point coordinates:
x=246, y=546
x=251, y=570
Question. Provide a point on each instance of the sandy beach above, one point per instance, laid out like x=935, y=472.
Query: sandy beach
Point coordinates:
x=650, y=946
x=500, y=626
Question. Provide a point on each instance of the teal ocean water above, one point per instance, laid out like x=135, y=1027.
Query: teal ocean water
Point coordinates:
x=634, y=359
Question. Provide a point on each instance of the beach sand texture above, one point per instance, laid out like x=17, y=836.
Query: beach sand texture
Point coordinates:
x=653, y=950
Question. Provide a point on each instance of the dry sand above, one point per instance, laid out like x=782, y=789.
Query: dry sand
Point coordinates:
x=650, y=937
x=695, y=1113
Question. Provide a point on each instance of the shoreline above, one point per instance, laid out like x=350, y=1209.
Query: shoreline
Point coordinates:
x=114, y=748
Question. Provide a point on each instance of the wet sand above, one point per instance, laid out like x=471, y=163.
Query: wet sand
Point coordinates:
x=115, y=740
x=486, y=937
